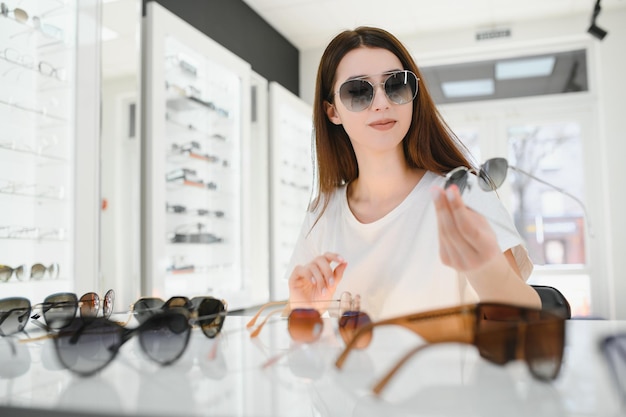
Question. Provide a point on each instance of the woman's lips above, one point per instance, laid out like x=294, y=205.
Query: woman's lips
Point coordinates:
x=384, y=124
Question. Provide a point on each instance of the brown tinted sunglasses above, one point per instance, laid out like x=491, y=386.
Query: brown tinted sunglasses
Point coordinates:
x=501, y=332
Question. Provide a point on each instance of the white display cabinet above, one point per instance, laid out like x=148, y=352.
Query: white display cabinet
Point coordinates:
x=39, y=73
x=199, y=170
x=291, y=178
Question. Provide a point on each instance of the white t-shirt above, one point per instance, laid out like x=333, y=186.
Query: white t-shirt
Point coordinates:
x=394, y=263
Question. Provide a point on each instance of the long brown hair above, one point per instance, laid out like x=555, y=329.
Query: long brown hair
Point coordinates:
x=429, y=143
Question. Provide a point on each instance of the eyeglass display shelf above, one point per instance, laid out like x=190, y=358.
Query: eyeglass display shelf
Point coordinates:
x=199, y=156
x=39, y=64
x=225, y=377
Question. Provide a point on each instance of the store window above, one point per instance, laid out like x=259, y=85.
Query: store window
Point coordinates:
x=550, y=213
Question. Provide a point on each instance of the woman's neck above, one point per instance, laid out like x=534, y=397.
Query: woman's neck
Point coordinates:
x=380, y=188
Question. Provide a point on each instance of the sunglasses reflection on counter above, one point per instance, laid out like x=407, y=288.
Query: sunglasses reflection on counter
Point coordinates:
x=501, y=333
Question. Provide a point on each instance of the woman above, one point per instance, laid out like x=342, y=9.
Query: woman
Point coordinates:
x=382, y=226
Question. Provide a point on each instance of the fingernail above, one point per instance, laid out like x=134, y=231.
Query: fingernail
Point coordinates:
x=331, y=281
x=313, y=280
x=323, y=291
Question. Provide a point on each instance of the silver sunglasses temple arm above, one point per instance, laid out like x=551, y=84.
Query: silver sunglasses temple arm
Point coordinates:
x=562, y=191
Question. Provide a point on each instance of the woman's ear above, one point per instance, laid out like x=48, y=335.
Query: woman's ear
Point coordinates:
x=332, y=114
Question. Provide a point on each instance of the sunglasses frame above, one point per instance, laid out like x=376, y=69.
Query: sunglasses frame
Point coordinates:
x=18, y=271
x=123, y=334
x=467, y=330
x=350, y=318
x=347, y=102
x=24, y=313
x=126, y=334
x=195, y=307
x=492, y=174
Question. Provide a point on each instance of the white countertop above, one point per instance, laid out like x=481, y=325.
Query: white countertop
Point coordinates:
x=224, y=377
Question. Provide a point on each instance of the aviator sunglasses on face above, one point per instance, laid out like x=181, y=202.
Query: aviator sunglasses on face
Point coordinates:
x=306, y=324
x=357, y=94
x=501, y=332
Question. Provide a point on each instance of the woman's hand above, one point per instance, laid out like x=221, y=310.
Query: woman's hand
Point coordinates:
x=468, y=244
x=466, y=240
x=313, y=284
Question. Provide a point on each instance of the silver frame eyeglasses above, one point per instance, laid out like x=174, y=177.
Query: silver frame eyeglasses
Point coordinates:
x=357, y=94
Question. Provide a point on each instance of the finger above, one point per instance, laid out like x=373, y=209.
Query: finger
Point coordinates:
x=338, y=273
x=317, y=277
x=453, y=246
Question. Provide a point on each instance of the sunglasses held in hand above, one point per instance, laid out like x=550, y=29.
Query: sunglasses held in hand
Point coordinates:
x=357, y=94
x=501, y=333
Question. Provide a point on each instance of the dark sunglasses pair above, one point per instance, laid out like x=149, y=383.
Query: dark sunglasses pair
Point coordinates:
x=87, y=346
x=211, y=309
x=501, y=333
x=400, y=87
x=59, y=309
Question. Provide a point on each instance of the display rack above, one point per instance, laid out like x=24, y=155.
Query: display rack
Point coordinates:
x=37, y=115
x=197, y=201
x=291, y=178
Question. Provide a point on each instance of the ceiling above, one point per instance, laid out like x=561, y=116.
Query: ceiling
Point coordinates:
x=311, y=24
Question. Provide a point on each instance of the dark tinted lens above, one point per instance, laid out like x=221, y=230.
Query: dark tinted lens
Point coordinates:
x=14, y=314
x=214, y=312
x=401, y=87
x=356, y=95
x=545, y=340
x=163, y=337
x=146, y=307
x=85, y=347
x=349, y=323
x=305, y=325
x=89, y=304
x=37, y=271
x=458, y=177
x=493, y=173
x=59, y=309
x=497, y=330
x=108, y=304
x=178, y=302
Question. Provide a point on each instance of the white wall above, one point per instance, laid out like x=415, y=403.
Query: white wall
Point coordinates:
x=607, y=72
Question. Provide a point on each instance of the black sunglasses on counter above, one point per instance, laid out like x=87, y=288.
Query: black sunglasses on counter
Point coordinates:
x=88, y=346
x=210, y=309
